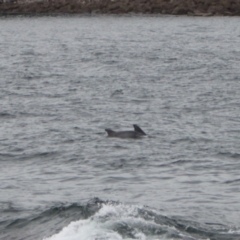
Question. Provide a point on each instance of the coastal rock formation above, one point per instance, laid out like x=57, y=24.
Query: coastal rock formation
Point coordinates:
x=175, y=7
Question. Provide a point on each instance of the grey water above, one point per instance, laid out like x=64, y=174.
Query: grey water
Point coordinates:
x=64, y=79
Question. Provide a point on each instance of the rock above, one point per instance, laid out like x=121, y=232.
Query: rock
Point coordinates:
x=216, y=9
x=198, y=13
x=176, y=7
x=180, y=10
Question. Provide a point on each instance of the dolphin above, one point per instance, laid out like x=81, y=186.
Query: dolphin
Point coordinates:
x=137, y=133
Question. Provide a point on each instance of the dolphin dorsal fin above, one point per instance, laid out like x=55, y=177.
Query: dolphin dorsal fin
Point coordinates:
x=138, y=129
x=109, y=131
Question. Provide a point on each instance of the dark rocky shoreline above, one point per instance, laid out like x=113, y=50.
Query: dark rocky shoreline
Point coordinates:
x=173, y=7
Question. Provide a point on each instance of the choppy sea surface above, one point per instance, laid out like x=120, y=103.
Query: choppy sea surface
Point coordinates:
x=64, y=79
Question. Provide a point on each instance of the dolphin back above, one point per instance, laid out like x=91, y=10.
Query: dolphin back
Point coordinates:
x=137, y=133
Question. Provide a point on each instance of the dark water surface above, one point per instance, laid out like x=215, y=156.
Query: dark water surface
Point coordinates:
x=63, y=80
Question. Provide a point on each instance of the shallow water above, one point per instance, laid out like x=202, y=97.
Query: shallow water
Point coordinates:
x=65, y=79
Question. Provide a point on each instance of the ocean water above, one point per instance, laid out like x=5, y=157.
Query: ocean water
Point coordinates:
x=65, y=79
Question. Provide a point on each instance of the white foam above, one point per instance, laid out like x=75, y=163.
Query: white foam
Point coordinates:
x=102, y=225
x=85, y=230
x=96, y=227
